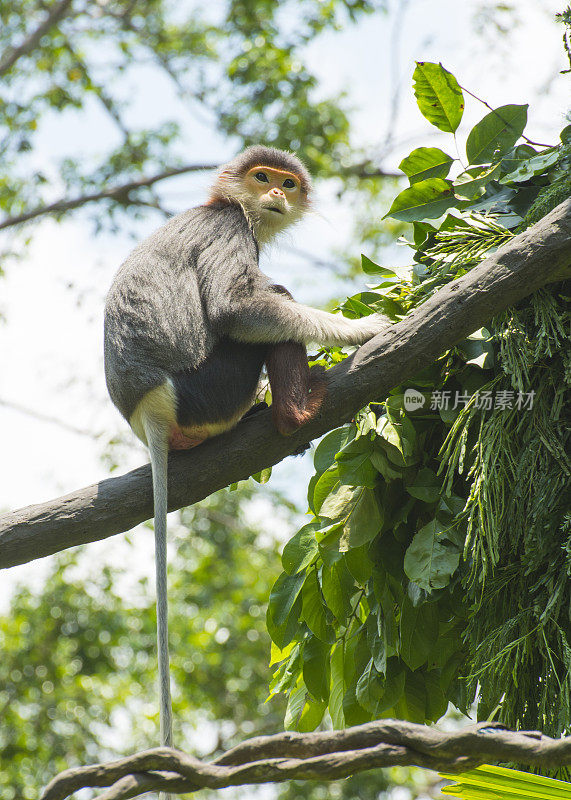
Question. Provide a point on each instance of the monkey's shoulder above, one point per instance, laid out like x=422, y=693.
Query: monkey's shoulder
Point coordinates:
x=203, y=226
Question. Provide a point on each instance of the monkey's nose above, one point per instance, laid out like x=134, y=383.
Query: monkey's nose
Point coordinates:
x=277, y=192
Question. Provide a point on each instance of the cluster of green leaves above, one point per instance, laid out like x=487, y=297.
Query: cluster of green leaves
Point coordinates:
x=497, y=783
x=393, y=597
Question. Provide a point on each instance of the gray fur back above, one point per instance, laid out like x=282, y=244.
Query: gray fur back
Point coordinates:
x=163, y=309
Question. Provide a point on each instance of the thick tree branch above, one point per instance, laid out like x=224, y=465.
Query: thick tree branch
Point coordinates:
x=315, y=756
x=118, y=193
x=529, y=261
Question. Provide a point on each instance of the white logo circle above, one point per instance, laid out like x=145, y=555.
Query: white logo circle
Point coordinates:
x=413, y=400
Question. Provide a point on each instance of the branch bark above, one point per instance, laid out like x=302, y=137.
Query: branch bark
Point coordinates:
x=118, y=193
x=315, y=756
x=55, y=15
x=529, y=261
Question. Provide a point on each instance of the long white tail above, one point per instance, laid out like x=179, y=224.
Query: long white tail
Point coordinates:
x=158, y=449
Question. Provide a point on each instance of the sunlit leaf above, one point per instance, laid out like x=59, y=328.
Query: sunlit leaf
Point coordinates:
x=438, y=95
x=426, y=162
x=427, y=199
x=496, y=133
x=301, y=549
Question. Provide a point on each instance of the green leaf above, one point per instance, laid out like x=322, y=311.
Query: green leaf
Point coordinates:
x=355, y=467
x=284, y=633
x=369, y=690
x=330, y=445
x=438, y=95
x=412, y=704
x=337, y=686
x=500, y=783
x=286, y=675
x=393, y=686
x=426, y=486
x=311, y=715
x=296, y=702
x=472, y=182
x=426, y=162
x=316, y=668
x=381, y=463
x=370, y=268
x=337, y=586
x=359, y=564
x=283, y=595
x=353, y=711
x=313, y=610
x=263, y=476
x=430, y=560
x=400, y=433
x=495, y=134
x=418, y=632
x=327, y=482
x=376, y=642
x=339, y=502
x=426, y=199
x=364, y=521
x=301, y=550
x=436, y=702
x=533, y=166
x=516, y=157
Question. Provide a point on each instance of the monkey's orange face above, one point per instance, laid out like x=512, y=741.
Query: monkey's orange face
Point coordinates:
x=276, y=191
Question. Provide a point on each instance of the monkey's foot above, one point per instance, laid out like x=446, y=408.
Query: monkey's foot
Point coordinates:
x=179, y=441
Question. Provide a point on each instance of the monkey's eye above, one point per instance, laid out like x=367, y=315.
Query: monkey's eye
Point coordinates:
x=289, y=184
x=262, y=177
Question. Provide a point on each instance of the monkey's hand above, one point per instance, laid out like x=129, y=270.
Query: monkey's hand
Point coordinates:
x=372, y=325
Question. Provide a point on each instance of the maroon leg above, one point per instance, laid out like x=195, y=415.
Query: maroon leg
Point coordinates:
x=297, y=392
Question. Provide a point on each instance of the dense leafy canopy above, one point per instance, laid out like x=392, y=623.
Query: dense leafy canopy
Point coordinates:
x=394, y=599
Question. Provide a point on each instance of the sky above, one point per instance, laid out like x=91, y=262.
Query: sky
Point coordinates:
x=52, y=300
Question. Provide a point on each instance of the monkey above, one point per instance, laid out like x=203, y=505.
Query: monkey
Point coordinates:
x=190, y=320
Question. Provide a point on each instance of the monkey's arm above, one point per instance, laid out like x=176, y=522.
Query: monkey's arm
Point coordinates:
x=270, y=317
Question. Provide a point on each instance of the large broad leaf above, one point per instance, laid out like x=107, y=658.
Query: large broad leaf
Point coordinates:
x=499, y=783
x=301, y=549
x=340, y=501
x=364, y=521
x=283, y=596
x=438, y=95
x=313, y=609
x=412, y=705
x=370, y=688
x=316, y=668
x=337, y=685
x=496, y=134
x=329, y=446
x=431, y=559
x=532, y=166
x=322, y=488
x=426, y=162
x=337, y=586
x=426, y=199
x=418, y=632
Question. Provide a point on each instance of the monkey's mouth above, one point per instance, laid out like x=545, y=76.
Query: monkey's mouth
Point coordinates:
x=276, y=209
